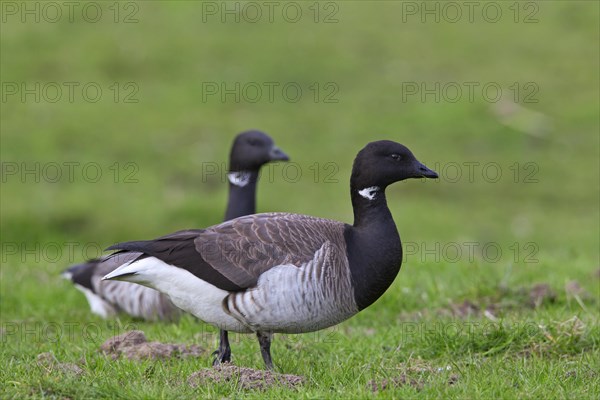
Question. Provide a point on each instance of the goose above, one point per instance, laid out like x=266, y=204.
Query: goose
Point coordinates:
x=249, y=152
x=280, y=272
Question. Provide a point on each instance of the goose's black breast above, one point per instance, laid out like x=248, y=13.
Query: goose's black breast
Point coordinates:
x=374, y=260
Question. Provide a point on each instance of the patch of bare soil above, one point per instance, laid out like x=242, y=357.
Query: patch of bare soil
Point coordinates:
x=574, y=289
x=416, y=374
x=453, y=379
x=492, y=306
x=398, y=381
x=246, y=378
x=586, y=373
x=540, y=294
x=50, y=364
x=134, y=346
x=465, y=309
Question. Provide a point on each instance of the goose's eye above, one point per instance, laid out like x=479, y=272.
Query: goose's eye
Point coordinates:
x=396, y=157
x=253, y=142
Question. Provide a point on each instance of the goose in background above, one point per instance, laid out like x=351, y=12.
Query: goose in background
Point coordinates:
x=249, y=152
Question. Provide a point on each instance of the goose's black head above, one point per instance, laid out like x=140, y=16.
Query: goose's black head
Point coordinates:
x=384, y=162
x=81, y=274
x=251, y=150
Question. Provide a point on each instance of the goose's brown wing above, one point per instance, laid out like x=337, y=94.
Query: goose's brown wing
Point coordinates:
x=234, y=254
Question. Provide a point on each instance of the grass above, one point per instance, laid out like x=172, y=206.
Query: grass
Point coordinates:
x=541, y=213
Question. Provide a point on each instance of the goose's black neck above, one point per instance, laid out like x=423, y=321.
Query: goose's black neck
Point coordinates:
x=242, y=194
x=370, y=207
x=373, y=245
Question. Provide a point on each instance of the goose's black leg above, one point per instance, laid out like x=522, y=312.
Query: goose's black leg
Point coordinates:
x=223, y=354
x=264, y=339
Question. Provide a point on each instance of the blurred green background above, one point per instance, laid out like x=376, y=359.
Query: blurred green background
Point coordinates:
x=367, y=71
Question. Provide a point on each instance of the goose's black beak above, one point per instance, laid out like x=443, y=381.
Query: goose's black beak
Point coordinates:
x=423, y=172
x=277, y=155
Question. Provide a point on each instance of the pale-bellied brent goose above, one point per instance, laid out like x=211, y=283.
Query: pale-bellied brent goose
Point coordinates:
x=283, y=273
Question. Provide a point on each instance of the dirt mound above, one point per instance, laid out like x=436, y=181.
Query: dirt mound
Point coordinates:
x=246, y=378
x=134, y=346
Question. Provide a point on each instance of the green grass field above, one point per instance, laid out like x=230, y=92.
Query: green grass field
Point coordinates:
x=114, y=121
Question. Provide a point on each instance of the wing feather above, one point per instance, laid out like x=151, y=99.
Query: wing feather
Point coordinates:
x=234, y=254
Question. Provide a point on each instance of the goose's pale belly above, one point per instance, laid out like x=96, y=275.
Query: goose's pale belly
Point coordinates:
x=291, y=299
x=286, y=299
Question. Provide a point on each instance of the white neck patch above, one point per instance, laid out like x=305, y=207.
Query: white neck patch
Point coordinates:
x=240, y=178
x=369, y=193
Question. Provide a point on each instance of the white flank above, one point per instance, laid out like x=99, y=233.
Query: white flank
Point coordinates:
x=369, y=193
x=240, y=179
x=185, y=290
x=97, y=304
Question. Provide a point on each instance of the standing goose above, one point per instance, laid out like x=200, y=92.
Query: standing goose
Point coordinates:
x=278, y=272
x=249, y=152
